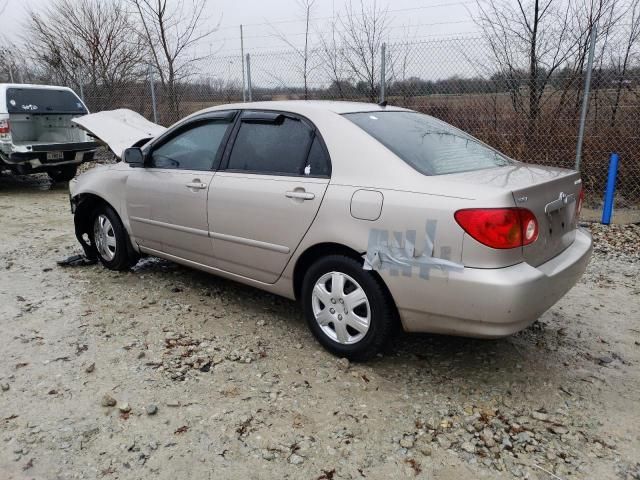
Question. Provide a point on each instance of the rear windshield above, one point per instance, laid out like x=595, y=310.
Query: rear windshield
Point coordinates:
x=41, y=100
x=429, y=145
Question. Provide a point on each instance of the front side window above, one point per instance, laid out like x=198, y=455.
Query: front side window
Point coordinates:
x=279, y=147
x=193, y=149
x=429, y=145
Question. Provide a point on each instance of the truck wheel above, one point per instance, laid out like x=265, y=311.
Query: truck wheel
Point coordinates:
x=111, y=240
x=347, y=309
x=63, y=173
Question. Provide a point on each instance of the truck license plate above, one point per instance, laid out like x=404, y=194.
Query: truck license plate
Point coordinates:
x=55, y=155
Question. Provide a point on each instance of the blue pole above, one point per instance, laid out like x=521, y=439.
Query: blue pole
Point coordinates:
x=607, y=210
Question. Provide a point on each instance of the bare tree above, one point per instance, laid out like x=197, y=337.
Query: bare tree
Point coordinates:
x=621, y=59
x=306, y=7
x=7, y=62
x=529, y=36
x=8, y=59
x=332, y=58
x=363, y=29
x=398, y=59
x=172, y=33
x=88, y=42
x=587, y=17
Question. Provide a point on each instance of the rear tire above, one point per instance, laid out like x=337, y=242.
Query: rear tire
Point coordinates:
x=111, y=240
x=63, y=173
x=347, y=308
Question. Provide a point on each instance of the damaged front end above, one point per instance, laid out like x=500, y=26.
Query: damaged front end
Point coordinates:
x=82, y=208
x=117, y=130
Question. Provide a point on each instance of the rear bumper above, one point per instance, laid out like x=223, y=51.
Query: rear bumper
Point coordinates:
x=28, y=148
x=36, y=161
x=489, y=302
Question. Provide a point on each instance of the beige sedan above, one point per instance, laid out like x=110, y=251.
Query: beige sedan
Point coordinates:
x=372, y=216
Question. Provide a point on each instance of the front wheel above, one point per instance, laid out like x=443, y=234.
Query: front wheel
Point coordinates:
x=111, y=240
x=63, y=173
x=347, y=308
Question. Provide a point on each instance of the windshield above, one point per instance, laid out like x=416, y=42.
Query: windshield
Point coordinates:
x=43, y=100
x=429, y=145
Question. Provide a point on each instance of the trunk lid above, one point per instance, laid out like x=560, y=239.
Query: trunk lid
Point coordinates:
x=553, y=202
x=550, y=193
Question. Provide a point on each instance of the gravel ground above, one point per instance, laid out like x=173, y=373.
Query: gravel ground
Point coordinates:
x=165, y=372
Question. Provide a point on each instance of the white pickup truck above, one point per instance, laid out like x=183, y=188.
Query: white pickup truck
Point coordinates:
x=37, y=134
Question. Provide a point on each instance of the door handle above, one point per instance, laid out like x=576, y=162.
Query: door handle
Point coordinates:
x=300, y=194
x=196, y=184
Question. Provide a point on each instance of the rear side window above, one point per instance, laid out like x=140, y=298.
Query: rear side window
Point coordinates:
x=280, y=147
x=429, y=145
x=40, y=100
x=318, y=164
x=193, y=149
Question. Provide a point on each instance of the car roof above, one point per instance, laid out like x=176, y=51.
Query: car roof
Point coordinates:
x=304, y=106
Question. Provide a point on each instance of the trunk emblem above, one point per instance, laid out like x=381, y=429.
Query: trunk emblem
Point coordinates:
x=522, y=199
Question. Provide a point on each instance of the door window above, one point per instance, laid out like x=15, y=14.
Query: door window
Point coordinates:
x=277, y=147
x=318, y=161
x=193, y=149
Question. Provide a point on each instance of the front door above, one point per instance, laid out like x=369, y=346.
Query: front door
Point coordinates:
x=173, y=219
x=264, y=200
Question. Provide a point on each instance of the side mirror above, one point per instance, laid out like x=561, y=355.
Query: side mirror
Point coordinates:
x=133, y=156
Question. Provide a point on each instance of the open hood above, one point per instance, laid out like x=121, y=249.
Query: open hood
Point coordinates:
x=119, y=129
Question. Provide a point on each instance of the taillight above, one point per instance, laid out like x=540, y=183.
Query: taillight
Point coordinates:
x=499, y=227
x=5, y=129
x=579, y=204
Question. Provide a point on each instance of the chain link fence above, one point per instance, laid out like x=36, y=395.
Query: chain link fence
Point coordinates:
x=456, y=80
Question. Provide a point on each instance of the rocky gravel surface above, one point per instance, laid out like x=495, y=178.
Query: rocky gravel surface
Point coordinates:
x=164, y=372
x=620, y=241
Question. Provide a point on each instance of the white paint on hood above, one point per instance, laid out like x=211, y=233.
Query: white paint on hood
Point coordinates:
x=119, y=129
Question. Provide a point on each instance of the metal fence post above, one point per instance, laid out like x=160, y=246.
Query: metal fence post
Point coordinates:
x=81, y=91
x=153, y=95
x=383, y=73
x=249, y=78
x=585, y=97
x=244, y=95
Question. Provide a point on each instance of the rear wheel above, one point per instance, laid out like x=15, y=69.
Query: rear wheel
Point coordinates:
x=63, y=173
x=111, y=240
x=347, y=308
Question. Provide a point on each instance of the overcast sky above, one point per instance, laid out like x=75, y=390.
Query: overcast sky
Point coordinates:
x=263, y=20
x=424, y=19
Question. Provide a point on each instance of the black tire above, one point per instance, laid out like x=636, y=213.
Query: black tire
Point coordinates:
x=382, y=312
x=124, y=256
x=63, y=173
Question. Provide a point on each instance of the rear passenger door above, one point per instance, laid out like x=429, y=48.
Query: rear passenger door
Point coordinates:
x=267, y=193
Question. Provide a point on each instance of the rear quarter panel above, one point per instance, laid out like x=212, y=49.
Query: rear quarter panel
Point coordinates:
x=404, y=215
